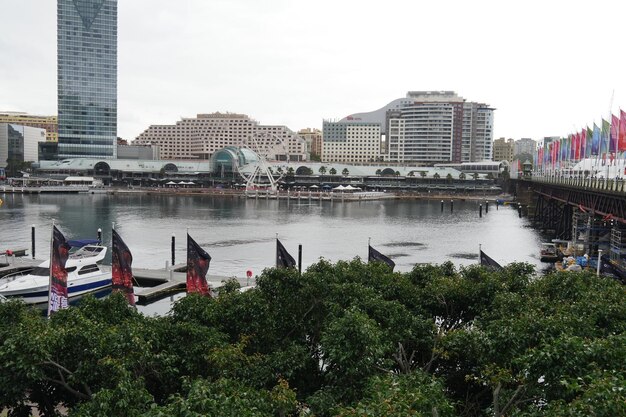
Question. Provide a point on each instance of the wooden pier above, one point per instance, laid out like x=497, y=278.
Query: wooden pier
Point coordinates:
x=154, y=284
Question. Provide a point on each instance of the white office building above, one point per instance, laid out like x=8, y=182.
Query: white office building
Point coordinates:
x=20, y=143
x=351, y=141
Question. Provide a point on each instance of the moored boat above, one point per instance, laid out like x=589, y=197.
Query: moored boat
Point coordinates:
x=85, y=275
x=549, y=252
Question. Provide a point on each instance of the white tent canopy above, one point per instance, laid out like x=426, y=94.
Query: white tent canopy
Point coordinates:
x=339, y=188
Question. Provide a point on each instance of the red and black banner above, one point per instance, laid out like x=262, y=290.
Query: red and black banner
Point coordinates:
x=122, y=268
x=197, y=267
x=59, y=252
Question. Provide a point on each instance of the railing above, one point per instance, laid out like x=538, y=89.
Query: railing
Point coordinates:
x=617, y=185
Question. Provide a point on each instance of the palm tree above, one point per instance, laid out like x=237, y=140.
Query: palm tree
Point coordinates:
x=322, y=170
x=345, y=172
x=279, y=170
x=379, y=172
x=475, y=175
x=290, y=171
x=436, y=176
x=332, y=171
x=462, y=176
x=397, y=173
x=423, y=174
x=449, y=178
x=411, y=174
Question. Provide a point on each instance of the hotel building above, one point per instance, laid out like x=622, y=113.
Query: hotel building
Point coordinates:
x=426, y=127
x=87, y=78
x=200, y=137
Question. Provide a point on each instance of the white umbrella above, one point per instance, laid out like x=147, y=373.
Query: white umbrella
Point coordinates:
x=314, y=186
x=349, y=187
x=339, y=187
x=170, y=183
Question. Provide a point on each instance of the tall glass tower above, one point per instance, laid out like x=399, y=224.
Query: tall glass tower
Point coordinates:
x=87, y=78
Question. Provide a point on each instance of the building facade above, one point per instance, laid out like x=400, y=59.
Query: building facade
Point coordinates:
x=313, y=139
x=428, y=127
x=351, y=141
x=503, y=149
x=200, y=137
x=49, y=123
x=19, y=143
x=525, y=146
x=87, y=78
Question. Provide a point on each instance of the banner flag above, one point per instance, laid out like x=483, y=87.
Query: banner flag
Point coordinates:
x=198, y=261
x=614, y=134
x=58, y=297
x=283, y=258
x=583, y=144
x=489, y=263
x=595, y=143
x=589, y=142
x=621, y=145
x=375, y=256
x=604, y=137
x=122, y=268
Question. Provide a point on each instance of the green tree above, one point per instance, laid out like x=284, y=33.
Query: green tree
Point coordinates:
x=332, y=171
x=423, y=174
x=475, y=175
x=449, y=178
x=462, y=176
x=436, y=176
x=345, y=172
x=379, y=172
x=322, y=170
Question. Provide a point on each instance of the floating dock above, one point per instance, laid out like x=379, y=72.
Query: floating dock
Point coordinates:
x=154, y=284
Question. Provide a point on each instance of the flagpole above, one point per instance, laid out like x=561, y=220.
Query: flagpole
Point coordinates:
x=369, y=240
x=50, y=267
x=480, y=249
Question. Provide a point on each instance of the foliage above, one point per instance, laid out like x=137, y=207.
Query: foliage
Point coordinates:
x=332, y=171
x=379, y=172
x=345, y=172
x=322, y=170
x=462, y=176
x=347, y=339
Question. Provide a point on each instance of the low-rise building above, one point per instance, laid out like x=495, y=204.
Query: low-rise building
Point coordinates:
x=49, y=123
x=19, y=144
x=503, y=149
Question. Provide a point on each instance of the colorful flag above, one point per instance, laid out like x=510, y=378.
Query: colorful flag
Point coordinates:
x=595, y=143
x=604, y=140
x=283, y=258
x=589, y=142
x=621, y=145
x=573, y=144
x=374, y=256
x=614, y=134
x=489, y=263
x=578, y=142
x=583, y=144
x=198, y=261
x=59, y=252
x=122, y=268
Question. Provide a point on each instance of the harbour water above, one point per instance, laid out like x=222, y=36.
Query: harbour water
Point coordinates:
x=240, y=234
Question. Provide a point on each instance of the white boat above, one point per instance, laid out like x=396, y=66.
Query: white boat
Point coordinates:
x=84, y=275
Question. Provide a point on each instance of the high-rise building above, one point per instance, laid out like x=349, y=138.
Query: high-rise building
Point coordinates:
x=87, y=78
x=503, y=149
x=43, y=122
x=432, y=127
x=199, y=137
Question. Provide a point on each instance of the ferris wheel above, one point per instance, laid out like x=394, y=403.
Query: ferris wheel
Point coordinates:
x=263, y=144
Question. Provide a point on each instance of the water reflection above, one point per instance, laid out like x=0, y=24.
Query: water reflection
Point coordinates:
x=239, y=234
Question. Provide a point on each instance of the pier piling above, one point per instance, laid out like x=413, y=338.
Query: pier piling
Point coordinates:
x=173, y=249
x=32, y=240
x=300, y=259
x=451, y=206
x=486, y=206
x=480, y=210
x=100, y=235
x=442, y=206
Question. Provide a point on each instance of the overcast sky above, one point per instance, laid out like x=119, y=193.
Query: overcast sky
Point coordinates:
x=548, y=67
